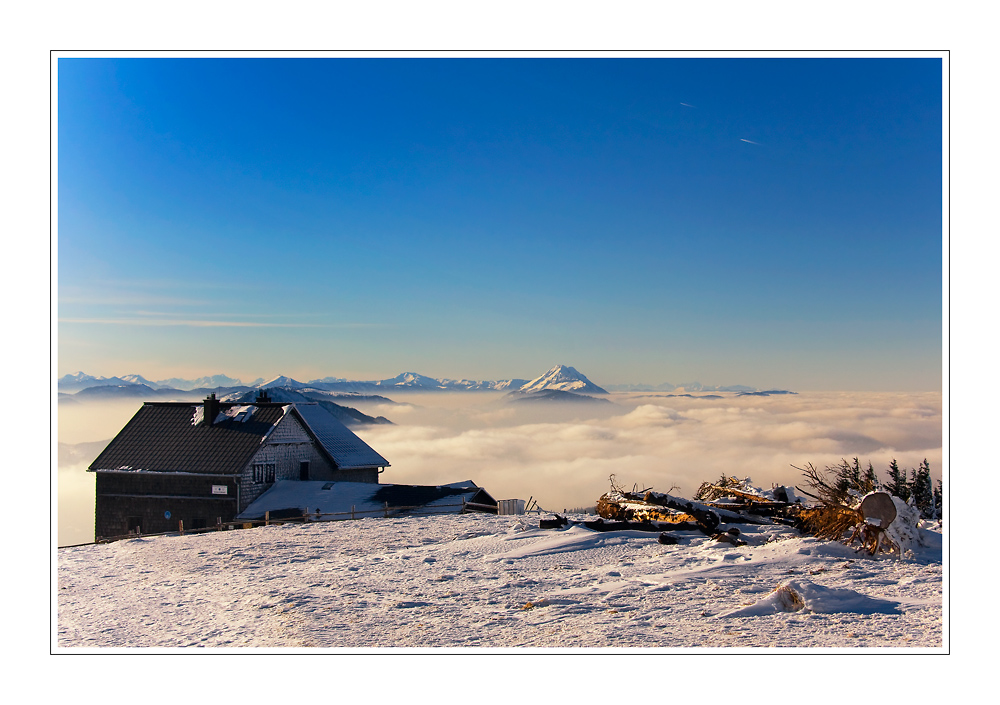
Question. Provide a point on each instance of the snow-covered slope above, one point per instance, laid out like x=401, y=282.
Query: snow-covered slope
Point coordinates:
x=563, y=378
x=139, y=379
x=411, y=380
x=207, y=382
x=347, y=415
x=508, y=384
x=414, y=381
x=215, y=381
x=494, y=582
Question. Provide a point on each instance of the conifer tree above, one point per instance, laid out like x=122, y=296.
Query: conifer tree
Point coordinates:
x=843, y=475
x=939, y=500
x=922, y=490
x=848, y=475
x=897, y=482
x=869, y=482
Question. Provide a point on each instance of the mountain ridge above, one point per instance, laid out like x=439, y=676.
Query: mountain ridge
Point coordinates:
x=559, y=377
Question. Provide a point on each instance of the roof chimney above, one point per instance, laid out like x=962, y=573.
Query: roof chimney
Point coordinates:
x=211, y=409
x=263, y=397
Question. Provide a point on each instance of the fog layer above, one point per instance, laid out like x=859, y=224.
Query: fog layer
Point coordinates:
x=562, y=455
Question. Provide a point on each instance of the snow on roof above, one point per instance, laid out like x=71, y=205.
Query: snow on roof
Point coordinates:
x=241, y=412
x=338, y=498
x=344, y=446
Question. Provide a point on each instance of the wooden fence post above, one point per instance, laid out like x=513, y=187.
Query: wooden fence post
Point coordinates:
x=386, y=509
x=180, y=525
x=218, y=523
x=267, y=518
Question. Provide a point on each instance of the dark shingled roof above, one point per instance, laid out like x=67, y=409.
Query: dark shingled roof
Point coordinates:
x=169, y=437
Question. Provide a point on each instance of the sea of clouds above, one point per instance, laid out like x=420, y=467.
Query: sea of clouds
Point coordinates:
x=563, y=455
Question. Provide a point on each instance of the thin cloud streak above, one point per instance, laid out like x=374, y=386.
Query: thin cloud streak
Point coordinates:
x=131, y=300
x=212, y=324
x=225, y=314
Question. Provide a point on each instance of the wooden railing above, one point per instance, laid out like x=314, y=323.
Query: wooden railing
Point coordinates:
x=307, y=516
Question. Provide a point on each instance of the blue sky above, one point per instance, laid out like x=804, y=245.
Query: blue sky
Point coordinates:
x=771, y=222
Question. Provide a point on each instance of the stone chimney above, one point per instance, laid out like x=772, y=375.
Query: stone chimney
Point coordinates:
x=212, y=409
x=262, y=397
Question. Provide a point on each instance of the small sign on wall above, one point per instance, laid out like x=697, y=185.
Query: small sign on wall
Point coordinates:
x=220, y=489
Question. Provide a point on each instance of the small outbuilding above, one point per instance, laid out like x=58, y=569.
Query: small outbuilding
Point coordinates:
x=334, y=501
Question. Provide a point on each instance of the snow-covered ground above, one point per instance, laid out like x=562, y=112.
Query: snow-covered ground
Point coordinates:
x=489, y=582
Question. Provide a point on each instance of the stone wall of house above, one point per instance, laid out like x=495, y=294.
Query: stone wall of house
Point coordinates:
x=126, y=500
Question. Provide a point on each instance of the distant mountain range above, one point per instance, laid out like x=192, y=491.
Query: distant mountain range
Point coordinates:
x=74, y=383
x=328, y=400
x=684, y=388
x=407, y=381
x=560, y=378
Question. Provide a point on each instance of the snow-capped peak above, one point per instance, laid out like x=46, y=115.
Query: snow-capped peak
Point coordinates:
x=565, y=378
x=412, y=379
x=139, y=379
x=281, y=381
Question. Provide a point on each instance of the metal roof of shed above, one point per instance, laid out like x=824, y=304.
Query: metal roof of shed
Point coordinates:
x=339, y=500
